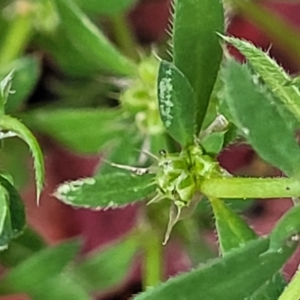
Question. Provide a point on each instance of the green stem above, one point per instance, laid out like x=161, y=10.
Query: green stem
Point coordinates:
x=250, y=187
x=152, y=260
x=17, y=34
x=124, y=36
x=292, y=291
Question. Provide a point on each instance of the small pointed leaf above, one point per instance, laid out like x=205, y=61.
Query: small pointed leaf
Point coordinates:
x=177, y=104
x=108, y=190
x=232, y=230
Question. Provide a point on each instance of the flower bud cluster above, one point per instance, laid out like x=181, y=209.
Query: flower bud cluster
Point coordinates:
x=179, y=175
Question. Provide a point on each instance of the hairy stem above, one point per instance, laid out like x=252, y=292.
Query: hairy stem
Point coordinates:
x=250, y=187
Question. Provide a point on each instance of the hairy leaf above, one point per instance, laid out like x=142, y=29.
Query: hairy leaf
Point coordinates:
x=90, y=41
x=236, y=276
x=10, y=124
x=108, y=190
x=196, y=50
x=271, y=73
x=259, y=120
x=177, y=104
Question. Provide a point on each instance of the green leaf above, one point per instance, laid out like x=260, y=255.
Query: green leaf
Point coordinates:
x=108, y=190
x=90, y=41
x=286, y=230
x=38, y=268
x=61, y=287
x=259, y=120
x=25, y=76
x=111, y=8
x=177, y=104
x=196, y=49
x=108, y=267
x=10, y=124
x=271, y=73
x=213, y=143
x=21, y=248
x=236, y=276
x=233, y=231
x=82, y=130
x=16, y=208
x=271, y=289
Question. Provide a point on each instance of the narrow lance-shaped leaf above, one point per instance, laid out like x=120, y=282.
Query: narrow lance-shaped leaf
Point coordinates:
x=196, y=49
x=259, y=120
x=10, y=124
x=247, y=266
x=108, y=190
x=87, y=38
x=271, y=73
x=177, y=104
x=232, y=230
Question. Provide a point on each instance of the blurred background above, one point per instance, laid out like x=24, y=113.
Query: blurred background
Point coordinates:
x=62, y=86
